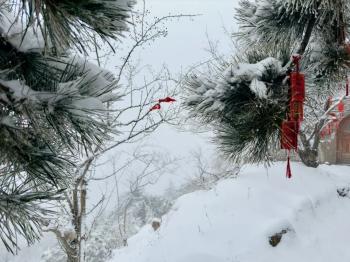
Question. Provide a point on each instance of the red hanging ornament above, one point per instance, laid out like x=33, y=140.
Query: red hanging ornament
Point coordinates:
x=290, y=127
x=341, y=107
x=296, y=111
x=155, y=107
x=289, y=137
x=297, y=90
x=297, y=86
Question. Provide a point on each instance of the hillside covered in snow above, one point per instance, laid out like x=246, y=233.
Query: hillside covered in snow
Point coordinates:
x=241, y=219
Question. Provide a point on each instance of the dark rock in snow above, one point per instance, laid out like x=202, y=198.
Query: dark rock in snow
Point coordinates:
x=276, y=238
x=343, y=192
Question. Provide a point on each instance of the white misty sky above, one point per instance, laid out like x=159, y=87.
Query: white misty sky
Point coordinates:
x=184, y=46
x=186, y=42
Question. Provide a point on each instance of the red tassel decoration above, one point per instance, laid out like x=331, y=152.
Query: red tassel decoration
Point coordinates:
x=288, y=171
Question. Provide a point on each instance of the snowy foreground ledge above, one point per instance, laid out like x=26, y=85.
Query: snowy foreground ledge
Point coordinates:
x=233, y=221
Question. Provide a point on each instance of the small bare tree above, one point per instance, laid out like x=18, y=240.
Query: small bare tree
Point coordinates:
x=131, y=177
x=133, y=120
x=208, y=173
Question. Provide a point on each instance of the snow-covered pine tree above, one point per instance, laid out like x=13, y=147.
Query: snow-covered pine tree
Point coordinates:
x=246, y=99
x=52, y=102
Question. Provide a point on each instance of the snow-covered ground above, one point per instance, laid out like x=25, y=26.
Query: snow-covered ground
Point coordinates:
x=233, y=221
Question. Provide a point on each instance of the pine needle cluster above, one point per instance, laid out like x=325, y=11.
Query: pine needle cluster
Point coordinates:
x=239, y=104
x=52, y=102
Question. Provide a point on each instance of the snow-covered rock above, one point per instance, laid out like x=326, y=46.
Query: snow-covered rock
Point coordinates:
x=233, y=221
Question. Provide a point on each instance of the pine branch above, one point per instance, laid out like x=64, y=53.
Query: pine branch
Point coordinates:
x=67, y=24
x=20, y=211
x=307, y=36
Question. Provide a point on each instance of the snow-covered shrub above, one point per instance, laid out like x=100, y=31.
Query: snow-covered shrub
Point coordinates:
x=112, y=231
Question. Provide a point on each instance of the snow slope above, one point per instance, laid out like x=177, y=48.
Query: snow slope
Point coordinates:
x=233, y=221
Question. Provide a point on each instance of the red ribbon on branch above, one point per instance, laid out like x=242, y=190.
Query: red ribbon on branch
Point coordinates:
x=166, y=100
x=157, y=106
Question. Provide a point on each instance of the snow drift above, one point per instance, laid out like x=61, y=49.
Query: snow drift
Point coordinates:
x=233, y=221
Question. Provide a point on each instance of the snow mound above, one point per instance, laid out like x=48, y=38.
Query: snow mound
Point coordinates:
x=234, y=221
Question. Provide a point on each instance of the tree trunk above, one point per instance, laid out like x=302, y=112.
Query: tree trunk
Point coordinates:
x=309, y=157
x=68, y=242
x=307, y=35
x=309, y=153
x=72, y=242
x=73, y=257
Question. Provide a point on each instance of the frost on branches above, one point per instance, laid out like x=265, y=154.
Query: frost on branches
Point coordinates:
x=238, y=99
x=210, y=96
x=52, y=102
x=112, y=231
